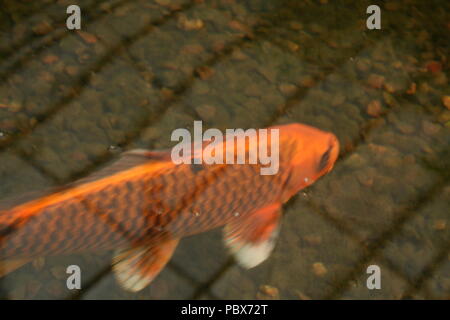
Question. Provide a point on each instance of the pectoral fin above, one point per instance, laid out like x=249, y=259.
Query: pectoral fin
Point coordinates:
x=252, y=239
x=136, y=267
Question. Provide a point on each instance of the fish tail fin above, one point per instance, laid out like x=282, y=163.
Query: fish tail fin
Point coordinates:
x=8, y=266
x=136, y=267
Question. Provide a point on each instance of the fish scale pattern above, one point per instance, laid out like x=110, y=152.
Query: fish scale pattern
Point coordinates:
x=139, y=210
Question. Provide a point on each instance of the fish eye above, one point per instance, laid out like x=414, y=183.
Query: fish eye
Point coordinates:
x=324, y=159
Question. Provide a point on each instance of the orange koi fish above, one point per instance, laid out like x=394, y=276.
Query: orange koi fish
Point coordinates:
x=143, y=204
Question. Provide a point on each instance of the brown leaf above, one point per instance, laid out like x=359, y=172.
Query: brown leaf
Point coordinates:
x=87, y=37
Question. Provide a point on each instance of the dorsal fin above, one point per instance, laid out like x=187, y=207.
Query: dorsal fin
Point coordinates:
x=127, y=160
x=11, y=202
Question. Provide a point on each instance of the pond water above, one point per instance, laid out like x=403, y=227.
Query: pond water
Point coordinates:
x=71, y=101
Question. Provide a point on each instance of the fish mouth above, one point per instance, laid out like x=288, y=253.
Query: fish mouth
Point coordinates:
x=331, y=156
x=335, y=151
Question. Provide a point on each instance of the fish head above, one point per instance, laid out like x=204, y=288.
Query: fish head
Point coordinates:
x=308, y=153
